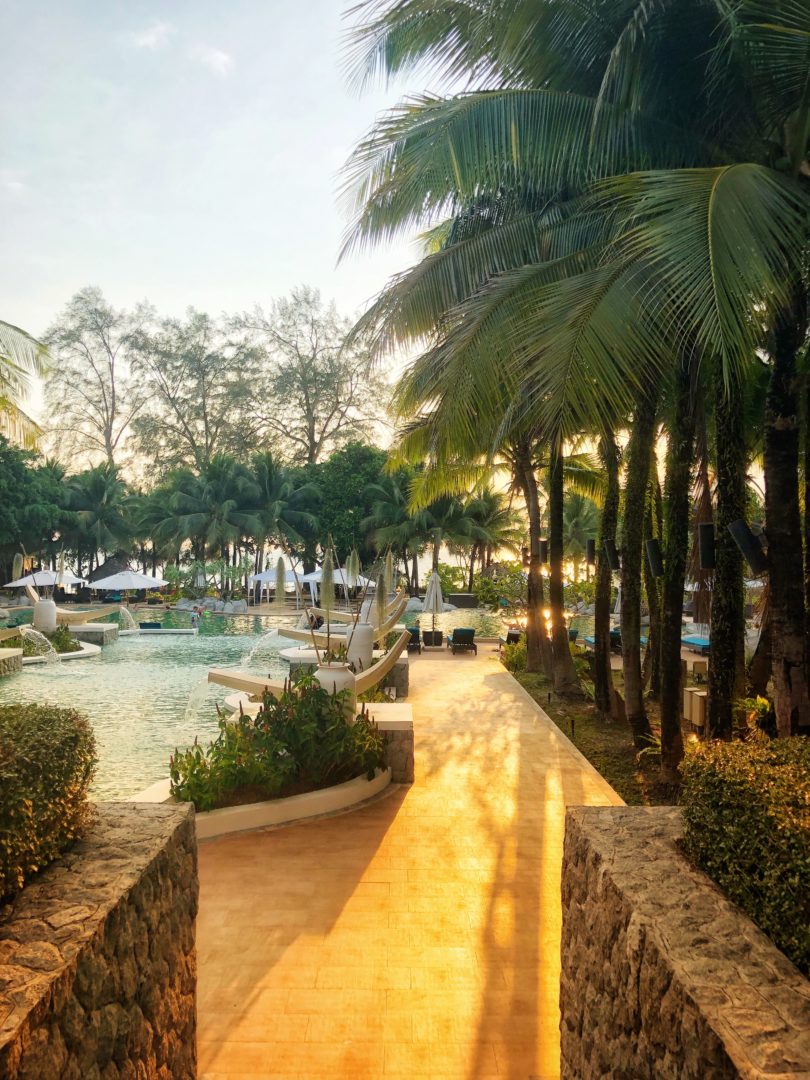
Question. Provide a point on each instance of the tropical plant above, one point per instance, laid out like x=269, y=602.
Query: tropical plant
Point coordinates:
x=47, y=763
x=578, y=242
x=99, y=504
x=298, y=741
x=21, y=356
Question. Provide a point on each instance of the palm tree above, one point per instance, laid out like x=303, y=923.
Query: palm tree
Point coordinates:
x=20, y=357
x=209, y=508
x=394, y=525
x=99, y=502
x=580, y=524
x=581, y=316
x=496, y=527
x=278, y=505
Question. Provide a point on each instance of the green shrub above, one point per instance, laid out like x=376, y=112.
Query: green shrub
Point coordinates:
x=47, y=762
x=746, y=808
x=514, y=656
x=452, y=579
x=501, y=588
x=63, y=641
x=298, y=741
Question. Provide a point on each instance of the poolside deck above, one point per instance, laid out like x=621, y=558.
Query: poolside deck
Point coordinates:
x=418, y=937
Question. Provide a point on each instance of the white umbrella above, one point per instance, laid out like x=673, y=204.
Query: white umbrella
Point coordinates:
x=341, y=577
x=128, y=579
x=434, y=601
x=44, y=579
x=268, y=577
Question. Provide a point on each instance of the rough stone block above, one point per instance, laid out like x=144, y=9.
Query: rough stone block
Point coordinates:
x=10, y=661
x=662, y=977
x=97, y=960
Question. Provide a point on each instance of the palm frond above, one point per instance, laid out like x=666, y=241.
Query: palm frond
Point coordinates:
x=431, y=156
x=21, y=356
x=720, y=244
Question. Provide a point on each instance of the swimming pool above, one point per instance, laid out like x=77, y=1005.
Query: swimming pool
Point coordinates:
x=147, y=695
x=487, y=624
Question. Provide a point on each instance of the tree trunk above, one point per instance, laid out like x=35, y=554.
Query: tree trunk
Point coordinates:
x=538, y=646
x=415, y=575
x=472, y=567
x=727, y=655
x=651, y=666
x=759, y=670
x=806, y=420
x=783, y=525
x=639, y=450
x=602, y=672
x=565, y=675
x=677, y=492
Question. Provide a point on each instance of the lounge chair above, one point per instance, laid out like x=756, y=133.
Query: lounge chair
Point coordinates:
x=697, y=643
x=512, y=638
x=463, y=638
x=415, y=644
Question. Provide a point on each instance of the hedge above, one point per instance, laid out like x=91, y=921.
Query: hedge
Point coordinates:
x=746, y=809
x=47, y=762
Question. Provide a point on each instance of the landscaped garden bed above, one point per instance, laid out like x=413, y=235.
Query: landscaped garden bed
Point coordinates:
x=61, y=640
x=607, y=744
x=298, y=743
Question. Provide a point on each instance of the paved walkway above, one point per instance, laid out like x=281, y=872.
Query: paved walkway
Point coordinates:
x=418, y=937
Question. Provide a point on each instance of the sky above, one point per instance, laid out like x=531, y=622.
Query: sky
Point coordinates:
x=185, y=152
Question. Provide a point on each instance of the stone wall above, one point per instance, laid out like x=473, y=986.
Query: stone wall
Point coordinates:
x=10, y=661
x=96, y=633
x=97, y=958
x=661, y=976
x=399, y=753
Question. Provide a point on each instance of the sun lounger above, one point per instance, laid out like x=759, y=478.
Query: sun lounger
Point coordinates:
x=512, y=638
x=415, y=644
x=462, y=639
x=696, y=643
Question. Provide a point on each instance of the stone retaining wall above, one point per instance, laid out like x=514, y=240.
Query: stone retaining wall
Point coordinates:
x=97, y=958
x=399, y=754
x=96, y=633
x=10, y=661
x=661, y=976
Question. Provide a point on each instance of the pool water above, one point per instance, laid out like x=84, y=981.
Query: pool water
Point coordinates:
x=146, y=695
x=487, y=624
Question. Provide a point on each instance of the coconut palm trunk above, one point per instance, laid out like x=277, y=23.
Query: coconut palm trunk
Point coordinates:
x=677, y=491
x=783, y=526
x=635, y=492
x=538, y=646
x=565, y=676
x=806, y=448
x=602, y=672
x=727, y=655
x=653, y=527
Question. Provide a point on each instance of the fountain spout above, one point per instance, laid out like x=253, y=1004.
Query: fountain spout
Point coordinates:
x=40, y=643
x=127, y=623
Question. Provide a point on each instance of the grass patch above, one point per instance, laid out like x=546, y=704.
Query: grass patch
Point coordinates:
x=608, y=745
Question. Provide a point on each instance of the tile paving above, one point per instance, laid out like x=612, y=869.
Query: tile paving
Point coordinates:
x=418, y=936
